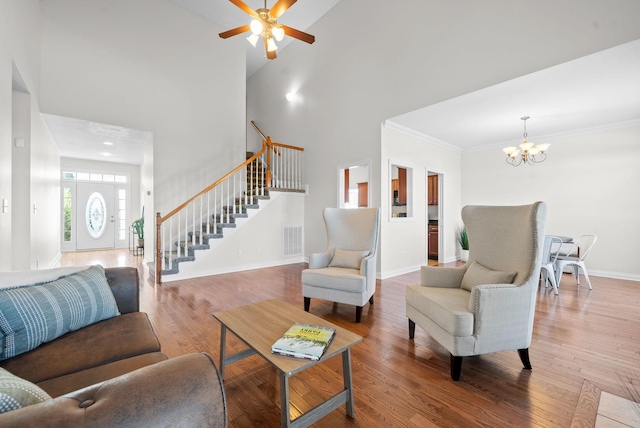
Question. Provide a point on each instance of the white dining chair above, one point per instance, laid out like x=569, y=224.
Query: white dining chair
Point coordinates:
x=581, y=247
x=552, y=246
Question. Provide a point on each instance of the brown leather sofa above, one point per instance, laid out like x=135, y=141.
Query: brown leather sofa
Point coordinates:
x=113, y=374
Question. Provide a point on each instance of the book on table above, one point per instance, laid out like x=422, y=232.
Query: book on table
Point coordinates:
x=304, y=341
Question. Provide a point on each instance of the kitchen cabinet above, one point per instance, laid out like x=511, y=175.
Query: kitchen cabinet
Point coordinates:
x=433, y=242
x=363, y=195
x=432, y=190
x=402, y=186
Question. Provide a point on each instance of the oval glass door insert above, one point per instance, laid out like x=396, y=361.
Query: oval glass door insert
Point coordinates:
x=96, y=215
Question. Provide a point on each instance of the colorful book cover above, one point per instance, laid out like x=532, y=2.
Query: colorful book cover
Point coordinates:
x=304, y=341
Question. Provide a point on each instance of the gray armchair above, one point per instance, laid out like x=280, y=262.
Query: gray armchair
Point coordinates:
x=487, y=305
x=346, y=271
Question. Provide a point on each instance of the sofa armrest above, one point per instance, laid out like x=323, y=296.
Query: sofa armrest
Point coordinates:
x=445, y=277
x=124, y=283
x=183, y=391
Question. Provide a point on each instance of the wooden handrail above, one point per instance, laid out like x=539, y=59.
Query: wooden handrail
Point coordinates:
x=264, y=137
x=214, y=184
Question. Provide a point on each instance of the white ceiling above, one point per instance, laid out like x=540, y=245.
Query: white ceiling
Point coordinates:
x=81, y=139
x=598, y=91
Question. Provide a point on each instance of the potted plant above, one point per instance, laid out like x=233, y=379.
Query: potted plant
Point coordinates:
x=463, y=239
x=138, y=226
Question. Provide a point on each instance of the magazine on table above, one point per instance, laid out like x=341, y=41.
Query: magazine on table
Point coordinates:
x=304, y=341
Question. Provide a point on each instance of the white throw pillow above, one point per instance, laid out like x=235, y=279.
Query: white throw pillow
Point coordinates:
x=348, y=259
x=16, y=393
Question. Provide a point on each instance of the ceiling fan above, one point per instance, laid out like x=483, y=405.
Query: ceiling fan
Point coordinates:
x=265, y=24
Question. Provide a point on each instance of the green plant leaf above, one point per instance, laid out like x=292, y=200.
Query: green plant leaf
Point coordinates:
x=463, y=239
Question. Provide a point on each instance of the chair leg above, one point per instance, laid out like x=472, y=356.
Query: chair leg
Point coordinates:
x=586, y=276
x=552, y=280
x=456, y=367
x=307, y=303
x=412, y=329
x=559, y=270
x=371, y=300
x=524, y=357
x=358, y=313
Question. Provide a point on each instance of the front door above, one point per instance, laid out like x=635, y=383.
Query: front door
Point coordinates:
x=95, y=216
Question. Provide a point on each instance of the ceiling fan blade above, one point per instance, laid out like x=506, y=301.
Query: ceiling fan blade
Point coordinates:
x=270, y=54
x=297, y=34
x=235, y=31
x=280, y=7
x=246, y=9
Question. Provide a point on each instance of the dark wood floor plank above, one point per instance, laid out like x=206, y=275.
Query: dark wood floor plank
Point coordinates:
x=583, y=341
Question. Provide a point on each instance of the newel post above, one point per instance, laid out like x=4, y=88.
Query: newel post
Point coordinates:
x=268, y=173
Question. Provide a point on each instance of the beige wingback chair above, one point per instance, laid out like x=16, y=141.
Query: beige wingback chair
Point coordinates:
x=488, y=304
x=346, y=271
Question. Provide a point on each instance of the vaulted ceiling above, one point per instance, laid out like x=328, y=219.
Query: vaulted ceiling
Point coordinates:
x=598, y=91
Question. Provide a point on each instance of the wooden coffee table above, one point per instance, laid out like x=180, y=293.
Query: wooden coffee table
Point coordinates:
x=260, y=324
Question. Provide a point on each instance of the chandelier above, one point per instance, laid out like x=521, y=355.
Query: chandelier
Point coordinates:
x=528, y=152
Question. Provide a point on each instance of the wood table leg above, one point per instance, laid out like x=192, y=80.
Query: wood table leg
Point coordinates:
x=348, y=385
x=285, y=419
x=223, y=341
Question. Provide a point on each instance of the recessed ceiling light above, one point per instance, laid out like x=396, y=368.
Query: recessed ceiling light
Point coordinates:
x=108, y=143
x=106, y=154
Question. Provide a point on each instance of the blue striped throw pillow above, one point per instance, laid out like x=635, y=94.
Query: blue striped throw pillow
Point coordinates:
x=35, y=314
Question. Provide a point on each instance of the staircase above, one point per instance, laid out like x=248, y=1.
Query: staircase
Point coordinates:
x=226, y=218
x=202, y=220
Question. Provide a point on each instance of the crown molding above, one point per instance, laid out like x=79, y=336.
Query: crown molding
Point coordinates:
x=389, y=124
x=563, y=134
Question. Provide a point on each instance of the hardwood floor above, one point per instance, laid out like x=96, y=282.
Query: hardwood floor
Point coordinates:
x=581, y=339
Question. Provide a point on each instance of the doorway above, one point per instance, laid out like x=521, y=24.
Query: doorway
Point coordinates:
x=96, y=211
x=435, y=226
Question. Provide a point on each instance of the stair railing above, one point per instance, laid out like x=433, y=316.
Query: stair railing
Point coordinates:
x=204, y=215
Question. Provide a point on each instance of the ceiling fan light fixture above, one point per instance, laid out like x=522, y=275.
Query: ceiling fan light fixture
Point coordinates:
x=271, y=45
x=265, y=23
x=278, y=33
x=253, y=39
x=256, y=27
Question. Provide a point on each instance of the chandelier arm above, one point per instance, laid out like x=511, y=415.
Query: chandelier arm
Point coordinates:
x=514, y=161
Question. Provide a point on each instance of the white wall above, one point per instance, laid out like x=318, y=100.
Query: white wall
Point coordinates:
x=417, y=54
x=45, y=194
x=155, y=66
x=403, y=241
x=256, y=242
x=589, y=182
x=20, y=180
x=20, y=52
